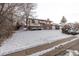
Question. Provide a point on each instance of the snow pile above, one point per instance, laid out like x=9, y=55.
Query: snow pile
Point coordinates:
x=72, y=53
x=26, y=39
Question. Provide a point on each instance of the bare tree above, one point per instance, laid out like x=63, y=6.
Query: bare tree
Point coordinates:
x=10, y=11
x=26, y=11
x=6, y=20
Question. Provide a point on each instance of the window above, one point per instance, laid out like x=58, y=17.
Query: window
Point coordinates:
x=33, y=21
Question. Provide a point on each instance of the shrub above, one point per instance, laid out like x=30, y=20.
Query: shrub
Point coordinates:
x=6, y=30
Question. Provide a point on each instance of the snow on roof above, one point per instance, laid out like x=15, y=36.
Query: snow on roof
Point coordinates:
x=27, y=39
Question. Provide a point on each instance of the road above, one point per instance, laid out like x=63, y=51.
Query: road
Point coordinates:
x=74, y=45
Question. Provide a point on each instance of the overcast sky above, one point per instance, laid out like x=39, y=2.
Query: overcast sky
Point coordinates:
x=55, y=9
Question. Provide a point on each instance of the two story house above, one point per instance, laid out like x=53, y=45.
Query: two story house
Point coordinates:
x=39, y=24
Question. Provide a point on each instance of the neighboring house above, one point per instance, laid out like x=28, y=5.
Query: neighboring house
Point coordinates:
x=39, y=24
x=34, y=24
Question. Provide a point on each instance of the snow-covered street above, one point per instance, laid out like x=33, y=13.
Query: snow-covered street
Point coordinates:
x=26, y=39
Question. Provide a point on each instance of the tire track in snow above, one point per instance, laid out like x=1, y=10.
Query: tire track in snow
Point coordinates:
x=50, y=49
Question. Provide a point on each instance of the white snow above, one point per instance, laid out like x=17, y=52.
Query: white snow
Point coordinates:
x=26, y=39
x=72, y=53
x=50, y=49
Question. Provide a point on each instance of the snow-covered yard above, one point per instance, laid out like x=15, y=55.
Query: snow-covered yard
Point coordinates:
x=26, y=39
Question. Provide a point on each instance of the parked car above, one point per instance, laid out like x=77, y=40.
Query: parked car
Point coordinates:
x=77, y=32
x=57, y=27
x=72, y=31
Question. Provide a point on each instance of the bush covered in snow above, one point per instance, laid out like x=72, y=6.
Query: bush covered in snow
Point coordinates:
x=6, y=30
x=71, y=28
